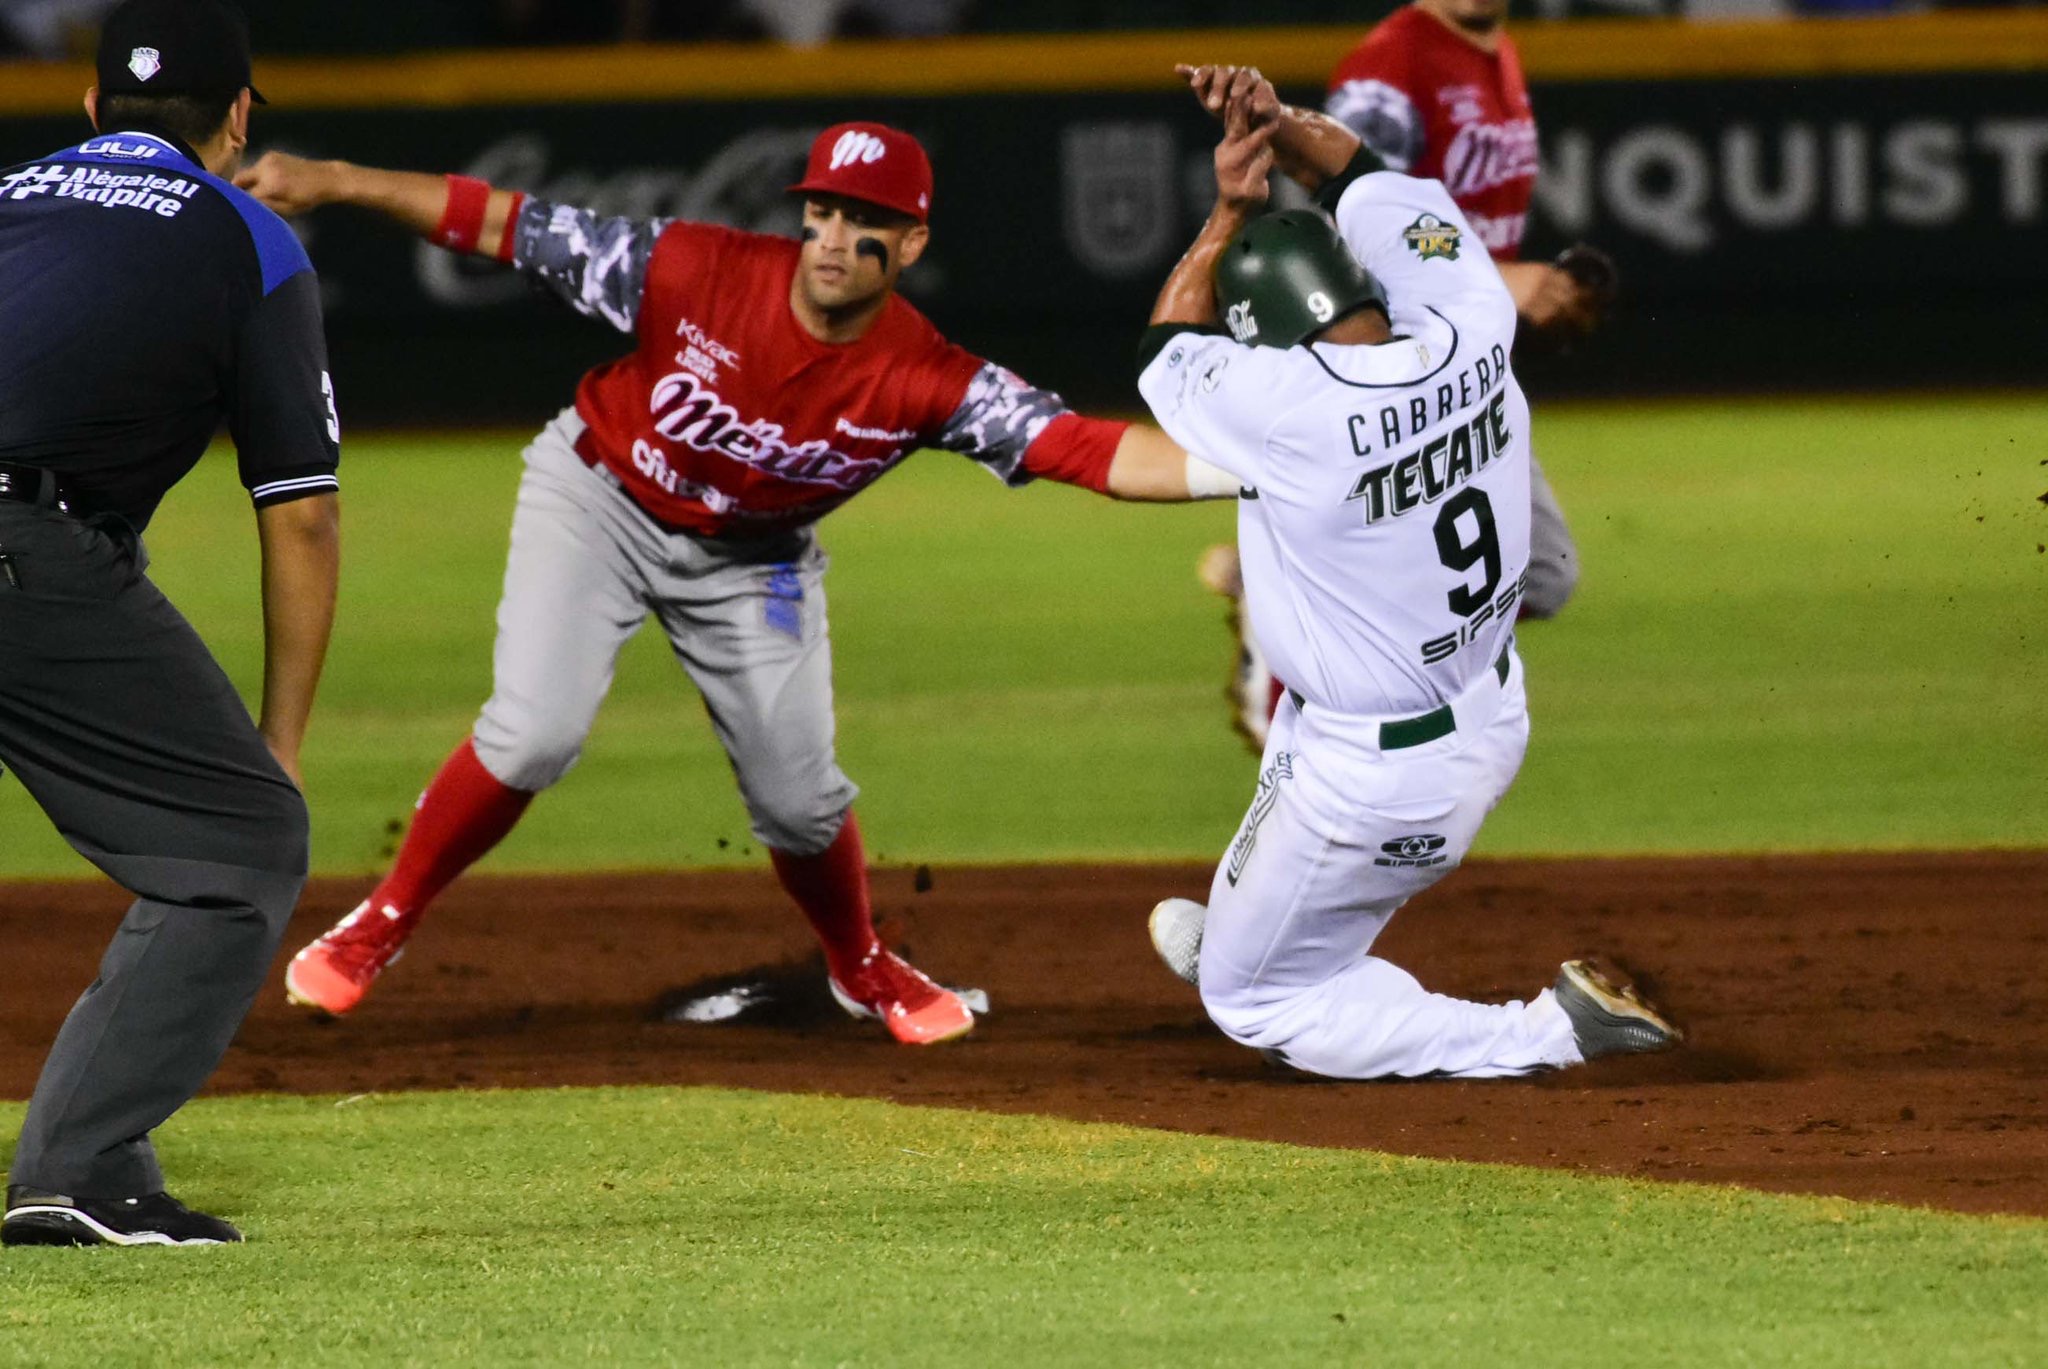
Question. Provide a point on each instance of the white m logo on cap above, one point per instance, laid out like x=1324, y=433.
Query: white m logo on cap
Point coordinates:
x=856, y=146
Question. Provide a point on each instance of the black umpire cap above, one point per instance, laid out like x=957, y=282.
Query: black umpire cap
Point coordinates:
x=175, y=47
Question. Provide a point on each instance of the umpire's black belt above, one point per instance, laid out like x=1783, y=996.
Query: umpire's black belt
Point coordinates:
x=33, y=485
x=1424, y=727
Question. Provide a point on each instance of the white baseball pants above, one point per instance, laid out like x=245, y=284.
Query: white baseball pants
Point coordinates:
x=1341, y=834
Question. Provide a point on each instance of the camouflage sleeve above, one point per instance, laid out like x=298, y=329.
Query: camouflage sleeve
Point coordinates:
x=1383, y=117
x=597, y=265
x=999, y=418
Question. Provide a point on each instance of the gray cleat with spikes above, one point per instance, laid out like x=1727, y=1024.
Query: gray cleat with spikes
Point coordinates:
x=1608, y=1018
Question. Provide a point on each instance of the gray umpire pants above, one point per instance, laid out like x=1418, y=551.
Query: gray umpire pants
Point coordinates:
x=120, y=725
x=744, y=616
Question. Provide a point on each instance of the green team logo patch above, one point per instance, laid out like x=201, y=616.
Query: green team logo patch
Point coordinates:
x=1429, y=236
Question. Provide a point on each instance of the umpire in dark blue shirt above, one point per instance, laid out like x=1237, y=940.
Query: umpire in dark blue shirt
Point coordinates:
x=147, y=301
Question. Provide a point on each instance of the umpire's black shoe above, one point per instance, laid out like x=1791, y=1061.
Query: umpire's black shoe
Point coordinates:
x=38, y=1218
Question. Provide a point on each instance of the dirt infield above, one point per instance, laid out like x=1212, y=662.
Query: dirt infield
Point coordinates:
x=1874, y=1027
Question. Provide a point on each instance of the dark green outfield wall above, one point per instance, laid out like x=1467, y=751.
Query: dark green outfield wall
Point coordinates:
x=1774, y=233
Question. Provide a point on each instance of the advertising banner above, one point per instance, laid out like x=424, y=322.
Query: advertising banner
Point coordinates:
x=1769, y=231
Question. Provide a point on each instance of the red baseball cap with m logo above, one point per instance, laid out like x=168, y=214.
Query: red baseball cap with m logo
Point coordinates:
x=871, y=162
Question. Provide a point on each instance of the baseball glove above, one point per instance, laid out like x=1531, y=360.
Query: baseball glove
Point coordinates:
x=1598, y=279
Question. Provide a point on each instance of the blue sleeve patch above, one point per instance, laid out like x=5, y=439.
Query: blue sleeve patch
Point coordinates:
x=278, y=249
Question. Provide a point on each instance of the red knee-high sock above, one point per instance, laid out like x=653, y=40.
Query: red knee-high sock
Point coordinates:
x=832, y=889
x=464, y=813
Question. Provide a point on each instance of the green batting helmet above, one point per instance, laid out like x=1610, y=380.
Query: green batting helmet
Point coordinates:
x=1287, y=276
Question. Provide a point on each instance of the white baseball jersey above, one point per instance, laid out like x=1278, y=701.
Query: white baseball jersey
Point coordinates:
x=1385, y=528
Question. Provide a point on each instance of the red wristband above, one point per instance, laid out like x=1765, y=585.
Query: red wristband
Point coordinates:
x=507, y=241
x=462, y=222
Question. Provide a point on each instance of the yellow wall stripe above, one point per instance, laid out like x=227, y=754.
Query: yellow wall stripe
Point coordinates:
x=1953, y=41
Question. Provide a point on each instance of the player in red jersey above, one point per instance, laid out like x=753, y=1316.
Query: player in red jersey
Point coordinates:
x=1436, y=90
x=772, y=381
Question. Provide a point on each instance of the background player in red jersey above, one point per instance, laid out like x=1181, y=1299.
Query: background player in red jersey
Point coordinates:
x=772, y=381
x=1436, y=91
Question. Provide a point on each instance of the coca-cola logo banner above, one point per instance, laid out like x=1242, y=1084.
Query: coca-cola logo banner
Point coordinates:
x=1056, y=215
x=1080, y=203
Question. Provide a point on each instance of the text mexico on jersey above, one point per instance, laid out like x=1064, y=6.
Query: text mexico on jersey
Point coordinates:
x=1433, y=105
x=1385, y=531
x=727, y=418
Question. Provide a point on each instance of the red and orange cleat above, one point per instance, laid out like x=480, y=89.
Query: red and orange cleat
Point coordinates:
x=335, y=971
x=887, y=987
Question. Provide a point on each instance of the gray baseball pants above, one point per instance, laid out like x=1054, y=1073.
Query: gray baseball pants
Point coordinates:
x=745, y=617
x=119, y=724
x=1553, y=555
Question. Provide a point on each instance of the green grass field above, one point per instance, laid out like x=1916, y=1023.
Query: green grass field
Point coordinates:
x=1802, y=625
x=703, y=1227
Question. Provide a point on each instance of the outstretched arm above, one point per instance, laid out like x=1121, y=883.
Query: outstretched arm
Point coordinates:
x=456, y=212
x=1022, y=433
x=597, y=265
x=1149, y=467
x=1129, y=461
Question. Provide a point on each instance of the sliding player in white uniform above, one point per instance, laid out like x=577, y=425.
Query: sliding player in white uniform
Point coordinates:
x=1364, y=399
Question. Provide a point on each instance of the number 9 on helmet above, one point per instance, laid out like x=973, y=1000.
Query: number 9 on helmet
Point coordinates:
x=1287, y=276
